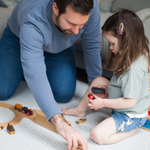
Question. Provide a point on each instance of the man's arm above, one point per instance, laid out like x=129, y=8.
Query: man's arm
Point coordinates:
x=91, y=44
x=32, y=58
x=71, y=135
x=35, y=74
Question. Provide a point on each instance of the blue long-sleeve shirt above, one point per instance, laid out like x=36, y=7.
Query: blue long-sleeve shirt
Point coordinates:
x=31, y=21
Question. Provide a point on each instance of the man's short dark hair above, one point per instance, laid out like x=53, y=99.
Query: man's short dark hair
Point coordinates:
x=80, y=6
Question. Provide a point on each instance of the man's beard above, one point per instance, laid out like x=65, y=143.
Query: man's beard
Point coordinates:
x=66, y=31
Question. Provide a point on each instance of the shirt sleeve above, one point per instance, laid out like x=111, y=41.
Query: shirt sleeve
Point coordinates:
x=31, y=42
x=131, y=83
x=91, y=44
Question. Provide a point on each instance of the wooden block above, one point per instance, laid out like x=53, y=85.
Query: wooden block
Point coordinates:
x=10, y=129
x=79, y=147
x=11, y=132
x=1, y=127
x=80, y=121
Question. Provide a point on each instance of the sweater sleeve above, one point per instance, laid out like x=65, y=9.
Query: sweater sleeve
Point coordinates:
x=91, y=44
x=32, y=58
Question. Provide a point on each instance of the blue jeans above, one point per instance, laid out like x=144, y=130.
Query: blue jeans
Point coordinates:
x=61, y=69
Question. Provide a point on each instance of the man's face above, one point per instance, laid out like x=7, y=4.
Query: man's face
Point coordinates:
x=71, y=22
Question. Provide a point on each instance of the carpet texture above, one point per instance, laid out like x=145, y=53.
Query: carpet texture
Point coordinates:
x=30, y=136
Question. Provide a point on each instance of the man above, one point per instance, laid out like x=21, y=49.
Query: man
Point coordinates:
x=38, y=43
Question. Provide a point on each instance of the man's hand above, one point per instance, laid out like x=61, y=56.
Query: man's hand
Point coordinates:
x=96, y=104
x=67, y=132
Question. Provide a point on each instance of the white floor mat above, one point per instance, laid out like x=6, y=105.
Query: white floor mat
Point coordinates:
x=30, y=136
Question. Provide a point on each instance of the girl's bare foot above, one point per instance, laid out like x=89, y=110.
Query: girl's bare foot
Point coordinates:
x=73, y=112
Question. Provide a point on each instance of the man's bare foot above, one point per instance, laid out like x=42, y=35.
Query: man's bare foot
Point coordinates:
x=73, y=112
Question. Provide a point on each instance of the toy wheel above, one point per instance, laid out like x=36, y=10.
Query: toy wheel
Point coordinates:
x=15, y=108
x=23, y=111
x=91, y=97
x=19, y=109
x=31, y=113
x=28, y=113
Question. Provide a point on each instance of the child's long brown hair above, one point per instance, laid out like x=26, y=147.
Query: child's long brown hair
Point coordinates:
x=132, y=43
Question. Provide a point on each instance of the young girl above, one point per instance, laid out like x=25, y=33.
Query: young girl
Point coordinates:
x=127, y=93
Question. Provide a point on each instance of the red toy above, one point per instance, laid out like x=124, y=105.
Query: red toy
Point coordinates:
x=91, y=96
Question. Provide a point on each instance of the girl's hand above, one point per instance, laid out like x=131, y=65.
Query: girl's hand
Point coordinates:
x=96, y=104
x=102, y=95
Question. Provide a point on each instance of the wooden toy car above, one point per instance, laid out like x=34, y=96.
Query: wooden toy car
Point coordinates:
x=27, y=111
x=18, y=107
x=80, y=121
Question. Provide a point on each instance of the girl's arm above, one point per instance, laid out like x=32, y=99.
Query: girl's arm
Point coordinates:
x=112, y=103
x=119, y=102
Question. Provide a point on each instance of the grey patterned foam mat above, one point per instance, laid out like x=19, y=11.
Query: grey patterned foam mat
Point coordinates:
x=30, y=136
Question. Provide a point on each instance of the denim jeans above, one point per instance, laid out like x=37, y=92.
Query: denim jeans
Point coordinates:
x=61, y=69
x=124, y=123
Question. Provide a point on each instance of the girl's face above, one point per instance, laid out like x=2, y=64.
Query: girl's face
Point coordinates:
x=113, y=42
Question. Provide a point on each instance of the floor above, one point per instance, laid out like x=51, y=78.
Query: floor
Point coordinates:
x=30, y=136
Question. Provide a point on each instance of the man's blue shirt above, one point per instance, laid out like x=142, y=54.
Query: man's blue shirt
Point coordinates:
x=31, y=21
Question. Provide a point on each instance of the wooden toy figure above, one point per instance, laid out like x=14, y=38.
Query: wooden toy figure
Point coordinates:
x=80, y=121
x=10, y=129
x=1, y=127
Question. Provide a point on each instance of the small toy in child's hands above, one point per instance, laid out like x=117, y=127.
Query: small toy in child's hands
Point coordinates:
x=91, y=96
x=98, y=90
x=80, y=121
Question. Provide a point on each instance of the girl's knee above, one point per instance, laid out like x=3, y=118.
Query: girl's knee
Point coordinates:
x=99, y=81
x=96, y=137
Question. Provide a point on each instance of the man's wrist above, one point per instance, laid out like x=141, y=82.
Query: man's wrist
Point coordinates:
x=58, y=119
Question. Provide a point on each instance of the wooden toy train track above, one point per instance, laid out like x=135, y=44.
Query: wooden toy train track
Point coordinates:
x=38, y=117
